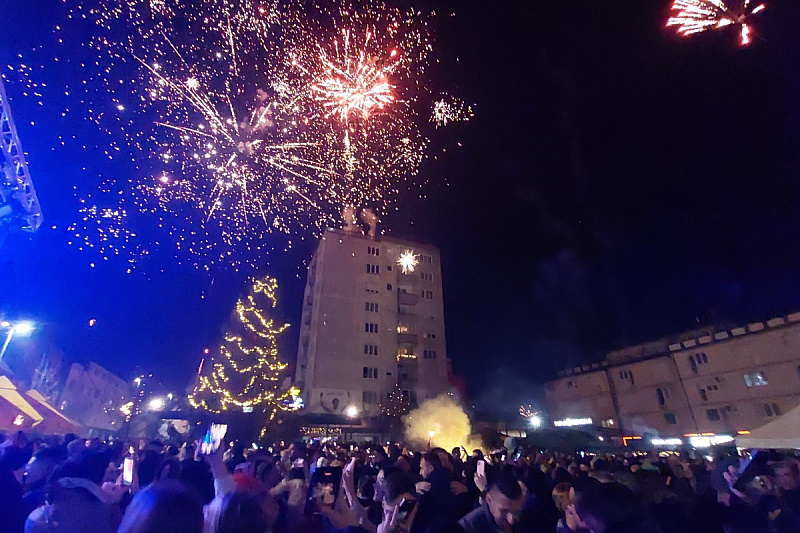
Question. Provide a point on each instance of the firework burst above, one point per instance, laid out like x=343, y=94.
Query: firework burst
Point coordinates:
x=695, y=16
x=246, y=118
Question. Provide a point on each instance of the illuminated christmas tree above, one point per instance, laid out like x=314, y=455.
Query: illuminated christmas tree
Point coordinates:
x=246, y=373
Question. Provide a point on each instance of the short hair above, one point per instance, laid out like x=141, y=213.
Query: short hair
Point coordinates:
x=241, y=513
x=164, y=506
x=433, y=459
x=612, y=504
x=297, y=473
x=92, y=465
x=49, y=454
x=507, y=484
x=397, y=484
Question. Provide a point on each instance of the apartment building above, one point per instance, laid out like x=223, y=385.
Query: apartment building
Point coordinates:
x=371, y=327
x=714, y=380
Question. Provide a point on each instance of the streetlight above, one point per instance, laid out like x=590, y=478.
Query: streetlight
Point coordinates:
x=535, y=421
x=21, y=328
x=351, y=411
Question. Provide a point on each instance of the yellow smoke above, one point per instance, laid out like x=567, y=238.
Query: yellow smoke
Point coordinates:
x=442, y=422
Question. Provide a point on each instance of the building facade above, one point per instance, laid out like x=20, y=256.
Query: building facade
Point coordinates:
x=368, y=329
x=720, y=381
x=92, y=396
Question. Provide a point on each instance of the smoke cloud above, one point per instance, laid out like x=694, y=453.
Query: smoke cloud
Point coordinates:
x=442, y=422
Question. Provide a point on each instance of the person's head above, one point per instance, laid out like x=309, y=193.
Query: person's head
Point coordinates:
x=380, y=482
x=92, y=465
x=366, y=487
x=42, y=465
x=787, y=475
x=237, y=449
x=398, y=486
x=173, y=451
x=170, y=468
x=188, y=452
x=607, y=506
x=456, y=453
x=477, y=454
x=505, y=498
x=297, y=473
x=377, y=454
x=75, y=447
x=164, y=506
x=297, y=450
x=561, y=496
x=444, y=458
x=239, y=512
x=430, y=462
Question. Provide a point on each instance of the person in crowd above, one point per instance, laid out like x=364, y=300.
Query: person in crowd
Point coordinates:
x=196, y=473
x=75, y=501
x=37, y=472
x=502, y=508
x=236, y=457
x=612, y=508
x=163, y=506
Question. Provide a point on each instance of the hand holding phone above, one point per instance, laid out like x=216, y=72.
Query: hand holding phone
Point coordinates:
x=127, y=471
x=213, y=438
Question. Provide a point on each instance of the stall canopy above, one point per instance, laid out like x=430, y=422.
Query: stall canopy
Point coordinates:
x=783, y=433
x=30, y=411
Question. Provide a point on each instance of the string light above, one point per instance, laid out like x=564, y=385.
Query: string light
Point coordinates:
x=245, y=374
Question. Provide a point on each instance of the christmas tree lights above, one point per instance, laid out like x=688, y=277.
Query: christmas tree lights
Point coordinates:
x=247, y=370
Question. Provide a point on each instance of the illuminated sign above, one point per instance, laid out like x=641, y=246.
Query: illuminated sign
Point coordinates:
x=570, y=422
x=706, y=441
x=666, y=442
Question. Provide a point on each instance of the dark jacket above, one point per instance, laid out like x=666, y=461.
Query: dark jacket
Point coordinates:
x=75, y=510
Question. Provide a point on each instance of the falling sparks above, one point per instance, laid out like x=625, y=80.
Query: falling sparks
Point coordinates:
x=449, y=110
x=248, y=125
x=695, y=16
x=408, y=261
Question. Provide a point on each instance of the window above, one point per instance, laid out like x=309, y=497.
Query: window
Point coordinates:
x=409, y=396
x=373, y=269
x=370, y=372
x=370, y=349
x=371, y=307
x=369, y=327
x=388, y=286
x=661, y=399
x=768, y=409
x=369, y=397
x=429, y=335
x=703, y=394
x=571, y=384
x=426, y=276
x=372, y=291
x=425, y=259
x=701, y=358
x=670, y=418
x=776, y=409
x=429, y=354
x=372, y=250
x=755, y=379
x=713, y=415
x=626, y=375
x=428, y=295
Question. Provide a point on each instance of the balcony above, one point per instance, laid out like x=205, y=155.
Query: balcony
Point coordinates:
x=407, y=338
x=405, y=298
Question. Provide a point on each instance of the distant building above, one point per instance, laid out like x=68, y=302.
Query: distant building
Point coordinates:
x=713, y=380
x=368, y=329
x=92, y=396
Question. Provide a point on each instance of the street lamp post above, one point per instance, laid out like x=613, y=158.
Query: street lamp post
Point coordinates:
x=21, y=328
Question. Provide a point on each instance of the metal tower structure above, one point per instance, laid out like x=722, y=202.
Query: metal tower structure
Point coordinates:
x=19, y=206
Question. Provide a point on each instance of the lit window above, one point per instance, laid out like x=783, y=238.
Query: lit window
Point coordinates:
x=755, y=379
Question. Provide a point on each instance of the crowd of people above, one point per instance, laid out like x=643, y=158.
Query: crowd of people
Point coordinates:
x=72, y=484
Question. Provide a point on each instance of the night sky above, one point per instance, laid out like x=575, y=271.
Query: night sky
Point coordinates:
x=618, y=183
